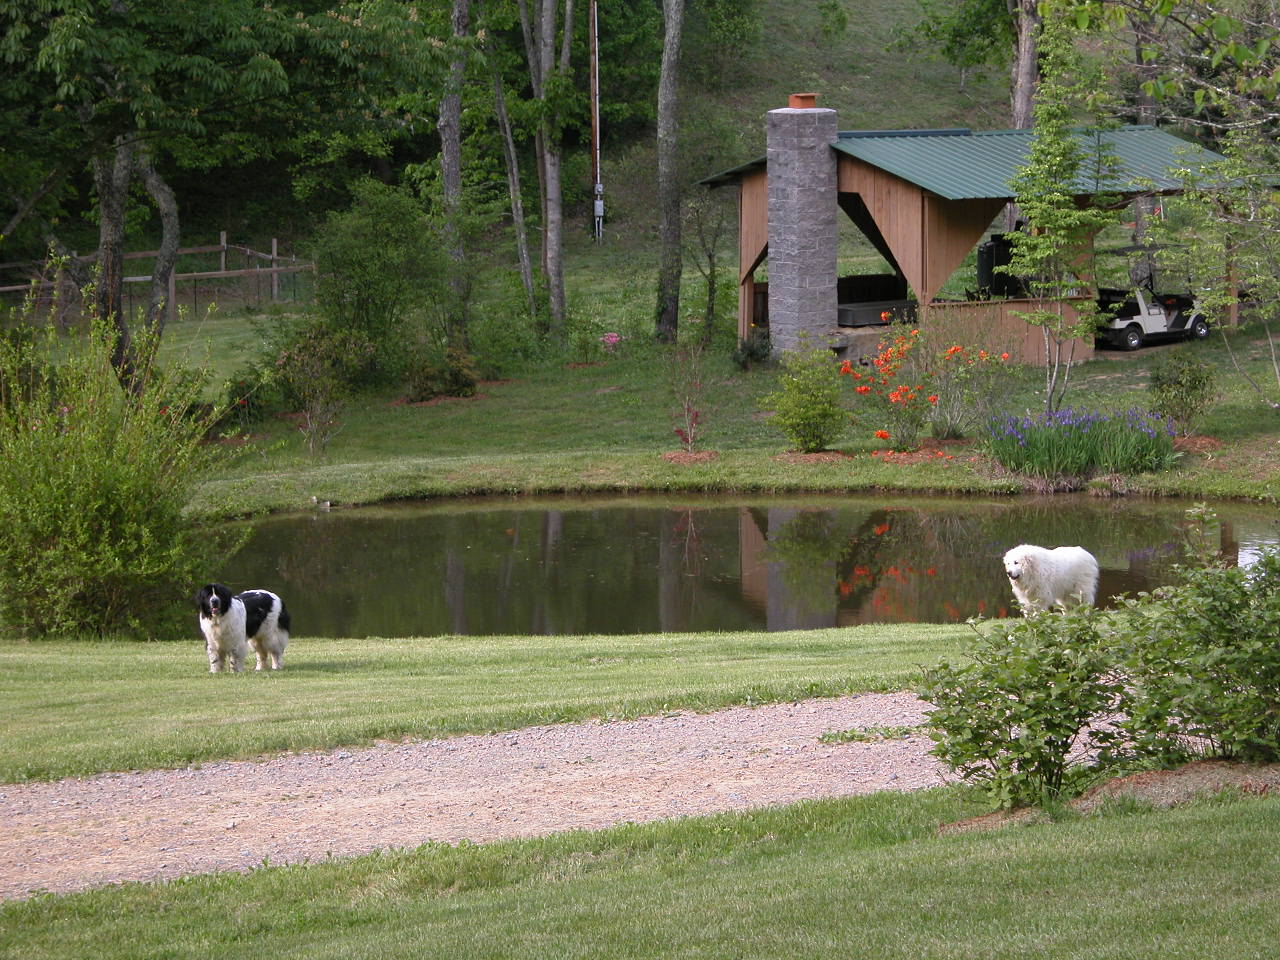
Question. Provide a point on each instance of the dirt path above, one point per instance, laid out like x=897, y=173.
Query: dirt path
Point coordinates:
x=75, y=834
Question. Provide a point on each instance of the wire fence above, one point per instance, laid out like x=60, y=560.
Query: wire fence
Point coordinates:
x=227, y=274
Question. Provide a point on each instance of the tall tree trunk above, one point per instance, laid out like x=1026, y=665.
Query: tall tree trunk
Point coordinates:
x=541, y=51
x=1024, y=75
x=1144, y=36
x=456, y=319
x=1026, y=70
x=533, y=51
x=112, y=175
x=513, y=188
x=167, y=257
x=670, y=260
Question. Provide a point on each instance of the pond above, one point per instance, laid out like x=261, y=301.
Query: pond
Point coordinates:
x=655, y=564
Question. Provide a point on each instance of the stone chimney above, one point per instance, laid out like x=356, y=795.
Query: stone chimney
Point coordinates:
x=802, y=223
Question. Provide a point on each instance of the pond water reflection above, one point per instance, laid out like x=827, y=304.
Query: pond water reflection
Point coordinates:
x=651, y=564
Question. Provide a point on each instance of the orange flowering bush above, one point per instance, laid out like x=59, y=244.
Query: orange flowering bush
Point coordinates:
x=909, y=384
x=970, y=385
x=895, y=401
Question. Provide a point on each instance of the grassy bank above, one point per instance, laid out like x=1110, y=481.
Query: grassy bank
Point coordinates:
x=348, y=692
x=604, y=427
x=864, y=877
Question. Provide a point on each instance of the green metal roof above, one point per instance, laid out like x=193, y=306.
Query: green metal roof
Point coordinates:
x=961, y=164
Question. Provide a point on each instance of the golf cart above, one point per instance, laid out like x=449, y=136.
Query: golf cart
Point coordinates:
x=1139, y=315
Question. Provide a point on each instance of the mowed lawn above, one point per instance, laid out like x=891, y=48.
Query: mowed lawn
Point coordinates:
x=863, y=877
x=73, y=709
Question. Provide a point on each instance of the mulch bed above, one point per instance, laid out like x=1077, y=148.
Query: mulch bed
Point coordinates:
x=441, y=399
x=929, y=450
x=1160, y=788
x=823, y=456
x=685, y=457
x=1197, y=443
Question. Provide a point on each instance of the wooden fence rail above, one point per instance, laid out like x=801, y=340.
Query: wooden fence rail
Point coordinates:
x=274, y=271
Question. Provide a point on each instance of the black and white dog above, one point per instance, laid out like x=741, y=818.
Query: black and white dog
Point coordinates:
x=231, y=623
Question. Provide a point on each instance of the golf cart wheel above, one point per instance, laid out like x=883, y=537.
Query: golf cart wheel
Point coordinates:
x=1199, y=328
x=1132, y=337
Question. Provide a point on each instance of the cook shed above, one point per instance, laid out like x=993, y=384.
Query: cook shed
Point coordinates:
x=923, y=199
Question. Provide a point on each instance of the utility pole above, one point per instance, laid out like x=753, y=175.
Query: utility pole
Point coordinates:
x=597, y=188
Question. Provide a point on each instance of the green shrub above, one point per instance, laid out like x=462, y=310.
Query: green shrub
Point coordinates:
x=507, y=346
x=1015, y=717
x=754, y=349
x=377, y=263
x=315, y=372
x=92, y=488
x=252, y=394
x=807, y=402
x=1071, y=445
x=1202, y=665
x=453, y=375
x=1183, y=387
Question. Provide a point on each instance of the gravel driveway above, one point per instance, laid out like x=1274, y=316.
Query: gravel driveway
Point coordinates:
x=82, y=833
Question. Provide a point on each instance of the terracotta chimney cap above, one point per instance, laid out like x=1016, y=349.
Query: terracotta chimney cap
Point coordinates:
x=803, y=101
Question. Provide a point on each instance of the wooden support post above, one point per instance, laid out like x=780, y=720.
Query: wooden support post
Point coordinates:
x=222, y=256
x=275, y=277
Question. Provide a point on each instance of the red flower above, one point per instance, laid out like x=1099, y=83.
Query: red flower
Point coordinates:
x=882, y=434
x=1004, y=356
x=933, y=398
x=880, y=529
x=862, y=389
x=846, y=367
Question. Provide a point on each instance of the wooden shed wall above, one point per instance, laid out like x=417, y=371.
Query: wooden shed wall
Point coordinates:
x=994, y=325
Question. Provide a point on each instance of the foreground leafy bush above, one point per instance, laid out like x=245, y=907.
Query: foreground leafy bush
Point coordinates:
x=93, y=482
x=807, y=403
x=1071, y=445
x=1202, y=663
x=1015, y=717
x=1184, y=671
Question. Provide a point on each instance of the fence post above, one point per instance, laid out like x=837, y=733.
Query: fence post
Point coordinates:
x=275, y=277
x=172, y=306
x=222, y=257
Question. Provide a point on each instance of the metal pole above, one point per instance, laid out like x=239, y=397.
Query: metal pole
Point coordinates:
x=597, y=188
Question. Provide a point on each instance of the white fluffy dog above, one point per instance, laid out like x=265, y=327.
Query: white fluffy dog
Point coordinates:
x=231, y=624
x=1043, y=578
